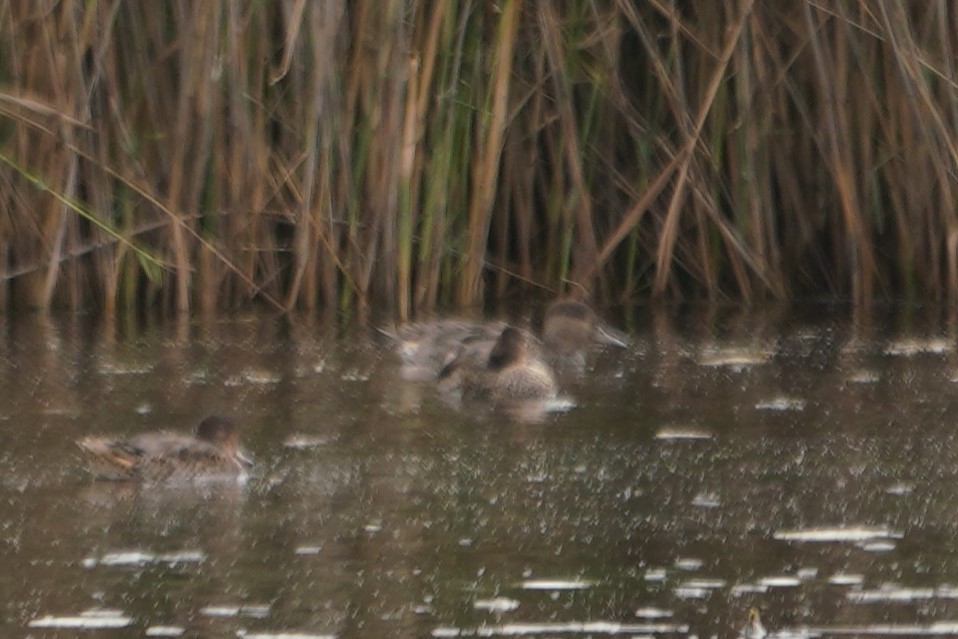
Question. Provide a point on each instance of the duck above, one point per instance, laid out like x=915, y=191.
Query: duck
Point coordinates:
x=426, y=348
x=512, y=369
x=570, y=326
x=754, y=629
x=212, y=452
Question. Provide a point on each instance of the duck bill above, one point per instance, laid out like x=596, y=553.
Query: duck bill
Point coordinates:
x=243, y=459
x=610, y=336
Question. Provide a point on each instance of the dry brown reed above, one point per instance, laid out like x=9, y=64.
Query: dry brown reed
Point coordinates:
x=411, y=154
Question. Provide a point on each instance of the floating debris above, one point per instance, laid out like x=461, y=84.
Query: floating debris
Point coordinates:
x=498, y=604
x=655, y=574
x=281, y=635
x=97, y=618
x=877, y=546
x=841, y=534
x=748, y=589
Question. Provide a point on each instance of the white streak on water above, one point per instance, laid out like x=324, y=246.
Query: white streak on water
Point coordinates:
x=128, y=558
x=783, y=581
x=281, y=635
x=655, y=574
x=679, y=432
x=300, y=441
x=914, y=346
x=864, y=377
x=688, y=563
x=588, y=627
x=843, y=579
x=839, y=534
x=877, y=546
x=556, y=584
x=257, y=611
x=782, y=404
x=894, y=593
x=705, y=500
x=498, y=604
x=736, y=359
x=900, y=489
x=308, y=550
x=653, y=613
x=889, y=630
x=88, y=619
x=707, y=584
x=684, y=592
x=746, y=589
x=139, y=558
x=165, y=631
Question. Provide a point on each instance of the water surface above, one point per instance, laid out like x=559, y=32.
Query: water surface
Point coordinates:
x=801, y=461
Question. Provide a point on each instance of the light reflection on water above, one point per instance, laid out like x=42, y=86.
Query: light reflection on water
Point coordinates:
x=798, y=462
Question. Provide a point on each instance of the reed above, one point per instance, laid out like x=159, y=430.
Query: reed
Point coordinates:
x=410, y=154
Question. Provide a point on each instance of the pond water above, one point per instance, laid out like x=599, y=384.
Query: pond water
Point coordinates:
x=802, y=461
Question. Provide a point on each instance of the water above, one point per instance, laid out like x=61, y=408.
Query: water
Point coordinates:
x=802, y=462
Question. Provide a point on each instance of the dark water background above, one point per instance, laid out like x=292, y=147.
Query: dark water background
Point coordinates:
x=800, y=460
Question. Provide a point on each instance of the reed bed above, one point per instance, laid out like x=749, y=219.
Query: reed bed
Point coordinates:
x=188, y=156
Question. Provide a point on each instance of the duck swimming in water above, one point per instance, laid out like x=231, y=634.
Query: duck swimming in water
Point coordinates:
x=570, y=325
x=511, y=370
x=569, y=328
x=213, y=452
